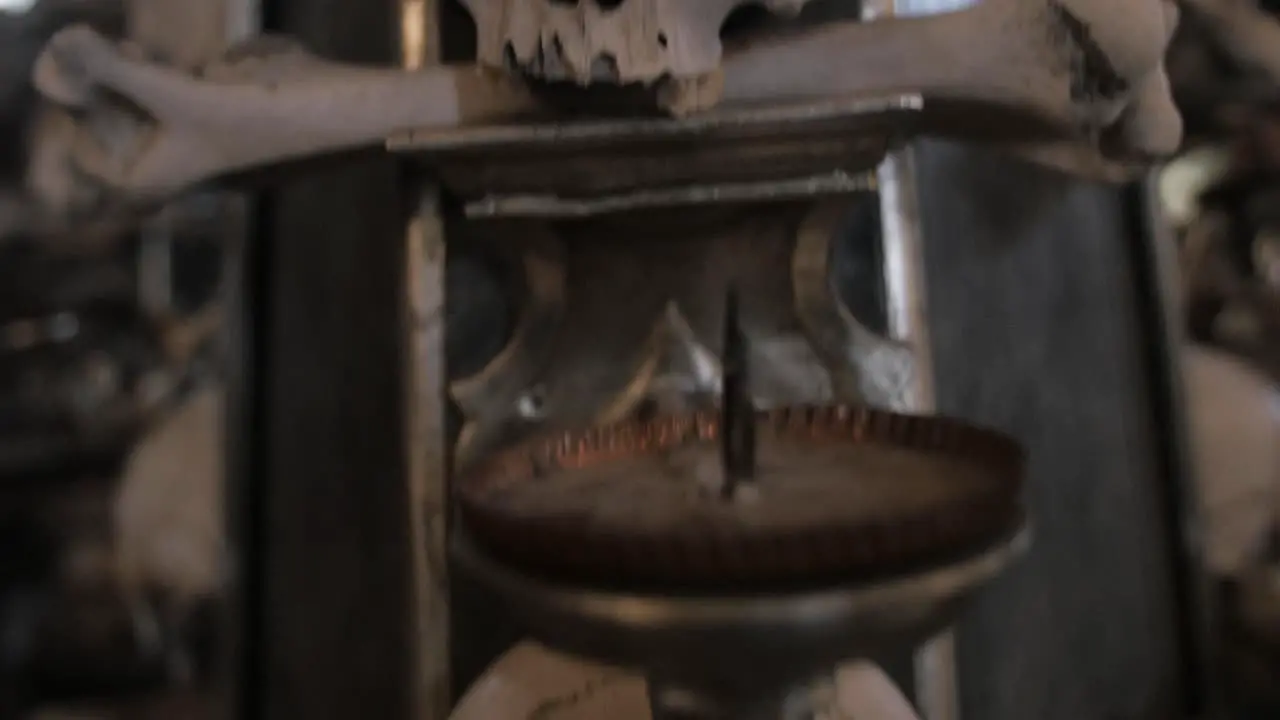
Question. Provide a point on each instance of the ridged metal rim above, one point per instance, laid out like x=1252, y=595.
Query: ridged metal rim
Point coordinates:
x=708, y=556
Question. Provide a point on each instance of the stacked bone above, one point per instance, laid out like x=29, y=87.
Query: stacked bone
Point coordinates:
x=79, y=363
x=1076, y=84
x=70, y=412
x=1226, y=67
x=70, y=415
x=1092, y=71
x=1229, y=83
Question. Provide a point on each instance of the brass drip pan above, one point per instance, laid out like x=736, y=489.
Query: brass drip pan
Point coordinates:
x=840, y=494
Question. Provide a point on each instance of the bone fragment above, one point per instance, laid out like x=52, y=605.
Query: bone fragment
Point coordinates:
x=1005, y=70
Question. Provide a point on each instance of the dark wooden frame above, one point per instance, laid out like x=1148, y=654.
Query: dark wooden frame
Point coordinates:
x=325, y=622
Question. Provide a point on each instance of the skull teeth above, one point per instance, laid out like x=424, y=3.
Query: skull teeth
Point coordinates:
x=605, y=41
x=549, y=63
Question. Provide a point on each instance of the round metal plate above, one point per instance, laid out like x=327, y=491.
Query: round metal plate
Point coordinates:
x=839, y=493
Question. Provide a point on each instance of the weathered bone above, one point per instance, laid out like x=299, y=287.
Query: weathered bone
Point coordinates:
x=146, y=131
x=1090, y=69
x=532, y=681
x=1086, y=74
x=635, y=41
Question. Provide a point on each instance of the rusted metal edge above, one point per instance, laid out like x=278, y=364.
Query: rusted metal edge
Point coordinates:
x=751, y=120
x=726, y=556
x=838, y=182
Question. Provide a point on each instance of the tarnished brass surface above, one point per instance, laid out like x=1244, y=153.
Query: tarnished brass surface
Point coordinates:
x=840, y=492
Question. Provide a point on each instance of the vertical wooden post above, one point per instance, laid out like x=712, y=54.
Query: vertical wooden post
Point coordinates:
x=425, y=380
x=331, y=615
x=242, y=20
x=936, y=678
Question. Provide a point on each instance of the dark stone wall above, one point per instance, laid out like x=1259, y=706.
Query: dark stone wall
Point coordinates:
x=1038, y=330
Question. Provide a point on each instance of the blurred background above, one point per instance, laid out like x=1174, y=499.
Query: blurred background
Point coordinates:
x=114, y=361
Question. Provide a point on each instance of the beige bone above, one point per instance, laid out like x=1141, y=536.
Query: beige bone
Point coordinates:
x=1086, y=74
x=1090, y=69
x=265, y=104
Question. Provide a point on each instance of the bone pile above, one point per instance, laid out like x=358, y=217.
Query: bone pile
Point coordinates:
x=1222, y=196
x=85, y=609
x=1079, y=85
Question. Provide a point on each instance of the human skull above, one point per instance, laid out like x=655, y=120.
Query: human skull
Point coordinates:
x=607, y=41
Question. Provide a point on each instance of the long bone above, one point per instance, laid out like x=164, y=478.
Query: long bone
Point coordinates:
x=1088, y=72
x=267, y=103
x=1090, y=69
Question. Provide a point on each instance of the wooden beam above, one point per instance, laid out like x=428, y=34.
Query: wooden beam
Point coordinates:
x=327, y=570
